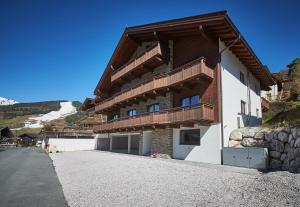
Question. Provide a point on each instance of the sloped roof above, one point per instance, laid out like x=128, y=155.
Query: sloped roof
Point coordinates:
x=217, y=24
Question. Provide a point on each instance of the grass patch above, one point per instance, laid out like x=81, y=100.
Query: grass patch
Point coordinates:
x=282, y=114
x=16, y=122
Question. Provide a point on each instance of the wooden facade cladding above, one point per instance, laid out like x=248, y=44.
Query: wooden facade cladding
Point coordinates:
x=150, y=59
x=193, y=70
x=203, y=114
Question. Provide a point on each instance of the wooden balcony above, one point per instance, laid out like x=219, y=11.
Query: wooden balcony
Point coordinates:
x=194, y=70
x=203, y=114
x=151, y=59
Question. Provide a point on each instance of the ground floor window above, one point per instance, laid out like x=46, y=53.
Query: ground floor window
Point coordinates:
x=190, y=137
x=243, y=107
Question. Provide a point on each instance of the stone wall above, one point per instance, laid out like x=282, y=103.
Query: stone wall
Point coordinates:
x=283, y=145
x=162, y=141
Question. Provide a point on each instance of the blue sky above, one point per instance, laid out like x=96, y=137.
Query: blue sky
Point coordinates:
x=58, y=49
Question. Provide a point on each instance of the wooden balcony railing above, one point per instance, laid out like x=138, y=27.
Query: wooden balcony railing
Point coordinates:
x=152, y=54
x=195, y=69
x=200, y=114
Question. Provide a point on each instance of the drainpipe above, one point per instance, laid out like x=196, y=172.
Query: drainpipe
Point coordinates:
x=221, y=92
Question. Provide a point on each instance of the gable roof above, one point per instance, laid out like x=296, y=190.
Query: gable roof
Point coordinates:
x=217, y=24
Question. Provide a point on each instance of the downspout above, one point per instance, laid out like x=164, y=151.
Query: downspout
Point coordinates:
x=221, y=91
x=249, y=98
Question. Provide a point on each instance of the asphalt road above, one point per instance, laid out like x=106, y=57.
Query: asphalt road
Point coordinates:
x=27, y=178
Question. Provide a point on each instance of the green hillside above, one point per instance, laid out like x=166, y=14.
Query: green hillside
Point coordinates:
x=23, y=109
x=15, y=115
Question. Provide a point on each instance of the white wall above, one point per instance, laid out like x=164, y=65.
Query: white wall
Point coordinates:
x=67, y=144
x=233, y=91
x=147, y=138
x=209, y=150
x=273, y=93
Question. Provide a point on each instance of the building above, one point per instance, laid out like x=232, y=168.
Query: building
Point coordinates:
x=6, y=136
x=276, y=90
x=180, y=87
x=27, y=139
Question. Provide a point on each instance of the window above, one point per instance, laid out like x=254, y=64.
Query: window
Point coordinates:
x=185, y=102
x=257, y=112
x=190, y=101
x=243, y=107
x=242, y=77
x=153, y=107
x=115, y=116
x=131, y=112
x=190, y=137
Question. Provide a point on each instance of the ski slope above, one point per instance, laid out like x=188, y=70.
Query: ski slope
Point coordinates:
x=66, y=109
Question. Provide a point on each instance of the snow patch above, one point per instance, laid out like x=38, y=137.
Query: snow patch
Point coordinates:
x=6, y=101
x=66, y=109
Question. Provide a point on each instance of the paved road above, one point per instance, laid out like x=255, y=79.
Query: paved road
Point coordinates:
x=27, y=178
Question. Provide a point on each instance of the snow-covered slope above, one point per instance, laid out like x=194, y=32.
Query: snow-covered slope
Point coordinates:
x=66, y=109
x=5, y=101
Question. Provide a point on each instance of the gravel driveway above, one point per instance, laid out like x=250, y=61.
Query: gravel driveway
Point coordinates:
x=94, y=178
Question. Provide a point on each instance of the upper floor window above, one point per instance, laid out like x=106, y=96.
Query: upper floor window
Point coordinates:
x=153, y=107
x=243, y=107
x=190, y=101
x=131, y=112
x=116, y=116
x=242, y=77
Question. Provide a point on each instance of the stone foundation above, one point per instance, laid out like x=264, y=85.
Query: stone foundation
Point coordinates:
x=283, y=145
x=162, y=141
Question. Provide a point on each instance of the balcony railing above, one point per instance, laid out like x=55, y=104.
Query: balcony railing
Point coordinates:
x=154, y=54
x=192, y=70
x=200, y=114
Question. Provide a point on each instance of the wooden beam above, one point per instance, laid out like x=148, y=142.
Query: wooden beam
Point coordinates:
x=133, y=39
x=201, y=30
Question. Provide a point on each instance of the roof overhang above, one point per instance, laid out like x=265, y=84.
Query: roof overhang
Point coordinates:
x=217, y=25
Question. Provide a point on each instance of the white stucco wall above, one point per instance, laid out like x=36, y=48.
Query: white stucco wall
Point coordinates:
x=209, y=150
x=273, y=93
x=233, y=91
x=68, y=144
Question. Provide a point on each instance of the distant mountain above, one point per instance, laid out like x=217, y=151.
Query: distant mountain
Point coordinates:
x=6, y=101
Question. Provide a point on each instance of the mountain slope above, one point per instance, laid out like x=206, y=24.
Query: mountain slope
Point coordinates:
x=5, y=101
x=66, y=108
x=34, y=115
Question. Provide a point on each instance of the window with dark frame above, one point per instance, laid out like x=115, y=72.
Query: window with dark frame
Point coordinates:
x=115, y=116
x=243, y=107
x=190, y=137
x=153, y=107
x=190, y=101
x=131, y=112
x=242, y=77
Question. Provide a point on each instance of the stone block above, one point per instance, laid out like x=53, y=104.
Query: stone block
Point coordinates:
x=282, y=136
x=276, y=145
x=236, y=135
x=275, y=164
x=275, y=154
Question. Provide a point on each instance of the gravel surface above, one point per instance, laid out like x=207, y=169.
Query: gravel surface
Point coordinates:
x=94, y=178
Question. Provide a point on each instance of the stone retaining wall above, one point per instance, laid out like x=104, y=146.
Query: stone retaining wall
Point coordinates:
x=283, y=145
